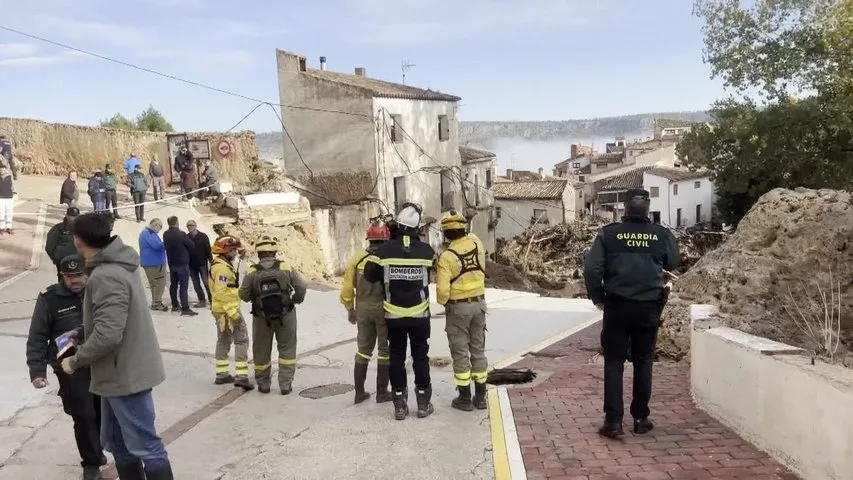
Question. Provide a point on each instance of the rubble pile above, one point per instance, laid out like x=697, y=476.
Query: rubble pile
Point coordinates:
x=791, y=242
x=694, y=242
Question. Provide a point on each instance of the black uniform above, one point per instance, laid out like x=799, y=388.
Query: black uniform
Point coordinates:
x=624, y=272
x=58, y=310
x=59, y=242
x=404, y=265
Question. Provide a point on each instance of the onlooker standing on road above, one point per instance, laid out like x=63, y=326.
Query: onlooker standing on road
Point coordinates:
x=58, y=310
x=7, y=157
x=158, y=180
x=179, y=250
x=59, y=242
x=97, y=192
x=624, y=278
x=130, y=164
x=199, y=263
x=185, y=163
x=138, y=185
x=7, y=200
x=69, y=194
x=110, y=185
x=152, y=259
x=122, y=350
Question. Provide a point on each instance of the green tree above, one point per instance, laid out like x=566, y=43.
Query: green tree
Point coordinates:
x=151, y=120
x=118, y=121
x=776, y=50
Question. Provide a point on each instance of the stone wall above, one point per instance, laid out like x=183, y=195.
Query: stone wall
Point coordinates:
x=54, y=148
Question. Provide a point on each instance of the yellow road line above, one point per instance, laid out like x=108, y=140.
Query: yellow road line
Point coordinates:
x=500, y=459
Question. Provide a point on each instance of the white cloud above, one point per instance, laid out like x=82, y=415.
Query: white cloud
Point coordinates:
x=17, y=49
x=188, y=4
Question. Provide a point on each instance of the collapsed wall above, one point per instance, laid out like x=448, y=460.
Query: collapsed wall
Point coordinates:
x=790, y=242
x=43, y=148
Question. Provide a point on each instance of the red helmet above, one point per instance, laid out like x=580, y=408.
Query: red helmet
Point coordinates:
x=378, y=231
x=226, y=244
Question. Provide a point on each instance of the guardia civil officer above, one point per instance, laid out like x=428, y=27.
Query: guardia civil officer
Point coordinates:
x=625, y=279
x=59, y=310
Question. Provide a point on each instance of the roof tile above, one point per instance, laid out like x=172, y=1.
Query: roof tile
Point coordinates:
x=538, y=190
x=381, y=88
x=678, y=174
x=469, y=154
x=630, y=179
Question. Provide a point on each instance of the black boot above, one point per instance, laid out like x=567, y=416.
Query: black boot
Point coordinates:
x=226, y=379
x=382, y=380
x=643, y=425
x=611, y=429
x=162, y=473
x=480, y=396
x=463, y=401
x=425, y=407
x=131, y=471
x=244, y=383
x=91, y=472
x=401, y=405
x=359, y=376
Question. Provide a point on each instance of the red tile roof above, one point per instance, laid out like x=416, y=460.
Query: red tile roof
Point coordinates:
x=678, y=174
x=469, y=154
x=538, y=190
x=630, y=179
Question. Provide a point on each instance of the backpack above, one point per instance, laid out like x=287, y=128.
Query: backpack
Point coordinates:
x=272, y=293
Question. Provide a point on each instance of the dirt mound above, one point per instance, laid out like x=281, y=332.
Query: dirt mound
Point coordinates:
x=299, y=246
x=769, y=270
x=507, y=278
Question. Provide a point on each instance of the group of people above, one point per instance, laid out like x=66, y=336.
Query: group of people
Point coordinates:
x=8, y=176
x=386, y=294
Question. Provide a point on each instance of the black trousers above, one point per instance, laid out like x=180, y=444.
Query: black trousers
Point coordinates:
x=415, y=331
x=634, y=325
x=199, y=277
x=138, y=200
x=84, y=408
x=111, y=201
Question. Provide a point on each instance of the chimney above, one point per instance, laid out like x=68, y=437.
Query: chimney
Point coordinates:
x=322, y=63
x=573, y=151
x=541, y=175
x=509, y=173
x=360, y=71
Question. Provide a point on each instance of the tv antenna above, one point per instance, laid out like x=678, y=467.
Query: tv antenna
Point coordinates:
x=405, y=66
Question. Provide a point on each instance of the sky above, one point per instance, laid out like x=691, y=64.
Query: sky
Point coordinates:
x=545, y=60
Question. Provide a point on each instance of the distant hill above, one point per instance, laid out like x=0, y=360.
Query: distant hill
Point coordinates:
x=486, y=133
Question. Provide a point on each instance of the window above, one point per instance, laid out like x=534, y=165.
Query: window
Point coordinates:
x=576, y=165
x=540, y=215
x=399, y=192
x=582, y=178
x=678, y=218
x=497, y=212
x=675, y=189
x=448, y=190
x=443, y=128
x=580, y=193
x=654, y=192
x=488, y=178
x=697, y=184
x=396, y=128
x=476, y=190
x=698, y=213
x=656, y=217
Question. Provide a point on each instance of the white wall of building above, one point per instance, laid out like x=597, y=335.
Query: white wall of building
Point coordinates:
x=688, y=196
x=516, y=215
x=479, y=196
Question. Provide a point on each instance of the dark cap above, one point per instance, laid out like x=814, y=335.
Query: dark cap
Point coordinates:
x=637, y=192
x=72, y=212
x=71, y=265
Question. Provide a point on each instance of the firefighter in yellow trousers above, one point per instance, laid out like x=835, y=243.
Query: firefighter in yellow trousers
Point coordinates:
x=225, y=306
x=364, y=303
x=274, y=289
x=460, y=287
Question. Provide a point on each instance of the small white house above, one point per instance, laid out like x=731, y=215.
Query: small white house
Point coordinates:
x=518, y=205
x=679, y=197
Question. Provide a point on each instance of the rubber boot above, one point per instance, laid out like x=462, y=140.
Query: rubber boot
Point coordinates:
x=480, y=396
x=382, y=380
x=401, y=405
x=244, y=383
x=425, y=407
x=131, y=471
x=263, y=387
x=162, y=473
x=224, y=379
x=463, y=401
x=359, y=376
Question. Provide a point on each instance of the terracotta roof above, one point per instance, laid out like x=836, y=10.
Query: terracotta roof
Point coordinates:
x=607, y=158
x=678, y=174
x=380, y=88
x=500, y=179
x=672, y=123
x=630, y=179
x=540, y=190
x=469, y=154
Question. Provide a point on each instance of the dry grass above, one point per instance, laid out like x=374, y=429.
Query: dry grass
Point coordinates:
x=817, y=314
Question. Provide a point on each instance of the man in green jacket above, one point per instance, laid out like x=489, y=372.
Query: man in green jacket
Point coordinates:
x=110, y=185
x=121, y=350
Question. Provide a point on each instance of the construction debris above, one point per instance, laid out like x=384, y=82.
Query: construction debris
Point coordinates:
x=696, y=241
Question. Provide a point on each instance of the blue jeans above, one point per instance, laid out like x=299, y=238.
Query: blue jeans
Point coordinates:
x=179, y=280
x=127, y=430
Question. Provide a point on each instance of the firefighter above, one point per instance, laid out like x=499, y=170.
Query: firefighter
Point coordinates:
x=363, y=301
x=274, y=289
x=460, y=287
x=402, y=266
x=225, y=306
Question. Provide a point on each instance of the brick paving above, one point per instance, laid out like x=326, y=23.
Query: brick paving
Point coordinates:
x=558, y=420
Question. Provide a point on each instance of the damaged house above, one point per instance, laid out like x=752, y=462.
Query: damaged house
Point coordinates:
x=362, y=147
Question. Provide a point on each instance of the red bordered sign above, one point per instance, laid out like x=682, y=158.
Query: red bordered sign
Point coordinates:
x=224, y=147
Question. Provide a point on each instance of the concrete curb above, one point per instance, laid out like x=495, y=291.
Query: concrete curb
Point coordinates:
x=506, y=451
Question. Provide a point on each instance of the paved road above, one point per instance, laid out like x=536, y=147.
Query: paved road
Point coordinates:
x=218, y=433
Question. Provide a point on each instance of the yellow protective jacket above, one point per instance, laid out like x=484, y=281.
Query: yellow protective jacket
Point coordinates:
x=356, y=292
x=460, y=272
x=223, y=287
